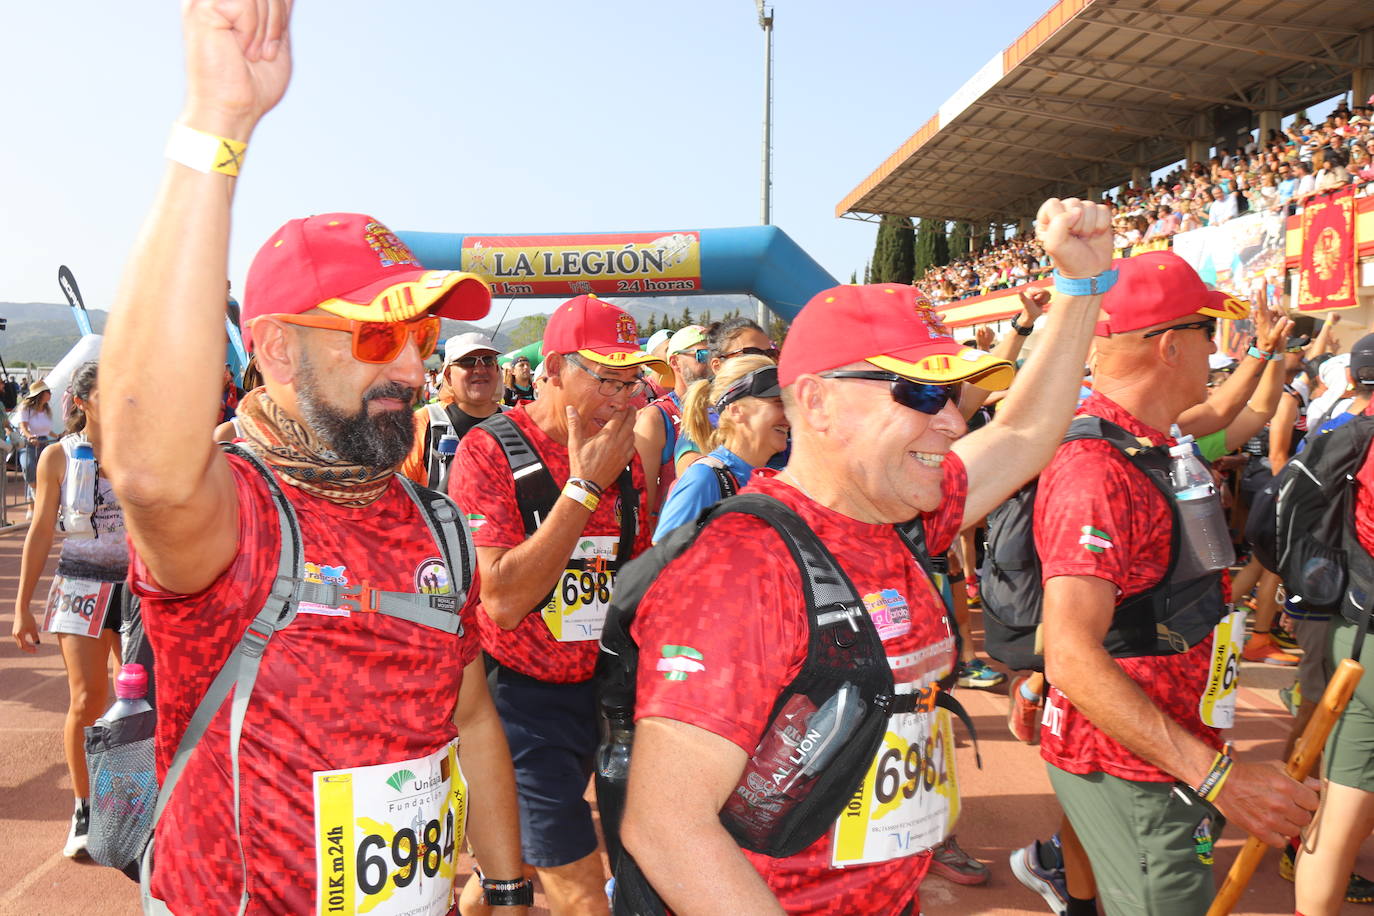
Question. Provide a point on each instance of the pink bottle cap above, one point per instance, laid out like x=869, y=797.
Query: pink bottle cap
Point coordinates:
x=132, y=682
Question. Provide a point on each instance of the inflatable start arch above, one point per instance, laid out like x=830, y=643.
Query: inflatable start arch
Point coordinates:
x=761, y=261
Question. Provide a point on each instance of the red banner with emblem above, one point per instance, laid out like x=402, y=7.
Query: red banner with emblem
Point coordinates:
x=1326, y=277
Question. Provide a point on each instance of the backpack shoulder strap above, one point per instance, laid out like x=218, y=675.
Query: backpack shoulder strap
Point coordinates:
x=455, y=543
x=728, y=486
x=535, y=489
x=438, y=416
x=240, y=671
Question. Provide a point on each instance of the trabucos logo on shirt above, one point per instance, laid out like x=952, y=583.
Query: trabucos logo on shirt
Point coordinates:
x=890, y=613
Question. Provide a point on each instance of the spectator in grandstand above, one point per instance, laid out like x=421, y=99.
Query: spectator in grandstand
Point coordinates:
x=1223, y=206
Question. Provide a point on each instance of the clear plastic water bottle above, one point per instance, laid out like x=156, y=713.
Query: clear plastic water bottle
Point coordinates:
x=1205, y=545
x=613, y=776
x=131, y=690
x=78, y=491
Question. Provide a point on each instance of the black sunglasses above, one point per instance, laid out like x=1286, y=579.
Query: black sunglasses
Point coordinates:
x=1209, y=325
x=771, y=352
x=919, y=396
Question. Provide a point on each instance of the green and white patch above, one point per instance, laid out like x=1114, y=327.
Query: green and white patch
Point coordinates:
x=679, y=661
x=1095, y=539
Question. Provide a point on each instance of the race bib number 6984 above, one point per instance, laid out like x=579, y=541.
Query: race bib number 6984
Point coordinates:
x=387, y=836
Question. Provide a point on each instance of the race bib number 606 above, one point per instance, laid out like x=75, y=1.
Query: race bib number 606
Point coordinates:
x=387, y=836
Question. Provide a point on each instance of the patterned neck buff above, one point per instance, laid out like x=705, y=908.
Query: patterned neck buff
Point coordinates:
x=302, y=459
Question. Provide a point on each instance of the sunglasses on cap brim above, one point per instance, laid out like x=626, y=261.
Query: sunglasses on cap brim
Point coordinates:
x=923, y=397
x=374, y=341
x=761, y=383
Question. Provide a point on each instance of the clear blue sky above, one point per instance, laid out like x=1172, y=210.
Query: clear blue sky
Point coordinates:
x=536, y=116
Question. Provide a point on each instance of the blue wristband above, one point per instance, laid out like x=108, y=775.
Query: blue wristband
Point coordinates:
x=1257, y=352
x=1085, y=286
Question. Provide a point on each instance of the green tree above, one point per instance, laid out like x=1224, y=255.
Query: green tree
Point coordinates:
x=892, y=252
x=853, y=277
x=958, y=241
x=923, y=252
x=530, y=329
x=868, y=272
x=941, y=244
x=687, y=316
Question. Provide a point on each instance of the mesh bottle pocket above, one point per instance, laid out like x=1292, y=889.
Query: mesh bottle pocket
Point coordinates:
x=121, y=761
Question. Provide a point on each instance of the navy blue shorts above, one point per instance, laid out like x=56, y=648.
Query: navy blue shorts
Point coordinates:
x=552, y=732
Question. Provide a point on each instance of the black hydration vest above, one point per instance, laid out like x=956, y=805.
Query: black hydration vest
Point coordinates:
x=1170, y=617
x=844, y=657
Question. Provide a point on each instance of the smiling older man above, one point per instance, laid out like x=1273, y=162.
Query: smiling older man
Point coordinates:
x=468, y=394
x=870, y=383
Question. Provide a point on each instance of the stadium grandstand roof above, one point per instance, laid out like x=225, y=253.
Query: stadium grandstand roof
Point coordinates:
x=1097, y=89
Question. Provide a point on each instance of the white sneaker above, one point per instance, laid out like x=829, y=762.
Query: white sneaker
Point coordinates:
x=76, y=836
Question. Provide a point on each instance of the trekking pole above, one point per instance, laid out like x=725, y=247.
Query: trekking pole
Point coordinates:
x=1300, y=762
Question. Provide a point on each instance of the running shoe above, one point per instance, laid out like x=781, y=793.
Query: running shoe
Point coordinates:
x=949, y=861
x=1284, y=640
x=979, y=674
x=1023, y=715
x=1047, y=882
x=76, y=836
x=1358, y=890
x=1260, y=647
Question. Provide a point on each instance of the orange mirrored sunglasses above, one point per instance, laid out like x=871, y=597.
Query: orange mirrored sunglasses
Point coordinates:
x=375, y=341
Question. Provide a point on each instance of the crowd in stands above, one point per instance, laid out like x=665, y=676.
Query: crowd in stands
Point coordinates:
x=1289, y=166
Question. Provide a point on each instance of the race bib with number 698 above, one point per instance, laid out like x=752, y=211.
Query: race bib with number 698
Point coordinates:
x=576, y=611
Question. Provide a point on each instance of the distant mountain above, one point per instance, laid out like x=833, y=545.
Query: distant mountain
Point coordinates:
x=42, y=332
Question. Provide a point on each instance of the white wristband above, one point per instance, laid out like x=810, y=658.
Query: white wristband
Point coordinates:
x=204, y=152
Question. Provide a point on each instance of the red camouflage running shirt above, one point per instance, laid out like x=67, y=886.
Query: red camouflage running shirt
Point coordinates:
x=482, y=486
x=1090, y=490
x=736, y=598
x=333, y=692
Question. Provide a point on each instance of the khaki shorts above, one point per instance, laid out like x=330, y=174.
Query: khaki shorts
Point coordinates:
x=1315, y=668
x=1151, y=850
x=1349, y=758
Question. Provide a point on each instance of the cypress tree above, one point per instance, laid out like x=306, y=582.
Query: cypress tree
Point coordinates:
x=923, y=254
x=941, y=244
x=958, y=241
x=893, y=260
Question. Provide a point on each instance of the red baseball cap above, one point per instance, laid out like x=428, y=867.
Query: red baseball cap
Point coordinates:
x=895, y=328
x=352, y=266
x=598, y=331
x=1157, y=287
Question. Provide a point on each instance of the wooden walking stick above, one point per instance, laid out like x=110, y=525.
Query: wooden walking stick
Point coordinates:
x=1305, y=754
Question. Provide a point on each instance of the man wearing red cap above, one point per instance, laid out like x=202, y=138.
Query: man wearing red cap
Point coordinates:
x=556, y=500
x=338, y=602
x=870, y=384
x=1133, y=743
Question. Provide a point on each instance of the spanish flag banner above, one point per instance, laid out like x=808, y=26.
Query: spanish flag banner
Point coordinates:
x=1326, y=278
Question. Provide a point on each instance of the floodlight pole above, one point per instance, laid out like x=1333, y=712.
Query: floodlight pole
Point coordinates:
x=766, y=23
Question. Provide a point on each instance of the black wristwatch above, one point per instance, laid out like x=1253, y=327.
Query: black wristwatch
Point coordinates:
x=505, y=893
x=1021, y=331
